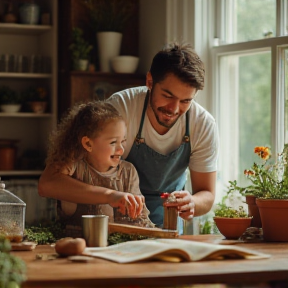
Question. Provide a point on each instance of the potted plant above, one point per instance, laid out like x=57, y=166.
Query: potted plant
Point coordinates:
x=231, y=222
x=109, y=18
x=10, y=100
x=248, y=193
x=13, y=269
x=80, y=49
x=270, y=187
x=36, y=98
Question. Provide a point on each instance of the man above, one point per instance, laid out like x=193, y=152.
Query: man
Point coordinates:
x=167, y=133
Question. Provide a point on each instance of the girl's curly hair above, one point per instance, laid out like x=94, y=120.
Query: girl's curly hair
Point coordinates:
x=85, y=119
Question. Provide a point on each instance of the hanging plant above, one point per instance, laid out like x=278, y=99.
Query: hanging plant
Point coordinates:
x=110, y=15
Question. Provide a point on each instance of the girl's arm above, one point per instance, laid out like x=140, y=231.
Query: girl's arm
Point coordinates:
x=57, y=185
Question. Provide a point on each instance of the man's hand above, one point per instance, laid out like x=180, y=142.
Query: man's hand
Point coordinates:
x=186, y=205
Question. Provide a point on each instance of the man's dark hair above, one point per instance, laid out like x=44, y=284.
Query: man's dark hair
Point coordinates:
x=180, y=60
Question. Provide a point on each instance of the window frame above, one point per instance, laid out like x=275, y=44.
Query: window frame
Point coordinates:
x=277, y=45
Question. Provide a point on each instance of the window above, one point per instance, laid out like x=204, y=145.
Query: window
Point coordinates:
x=286, y=92
x=249, y=20
x=250, y=65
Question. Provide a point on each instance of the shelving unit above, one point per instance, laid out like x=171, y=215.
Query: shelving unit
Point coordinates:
x=76, y=86
x=89, y=86
x=31, y=129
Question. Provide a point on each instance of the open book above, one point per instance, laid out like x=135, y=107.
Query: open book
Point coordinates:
x=172, y=250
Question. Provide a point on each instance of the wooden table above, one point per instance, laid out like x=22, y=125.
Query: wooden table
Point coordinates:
x=101, y=273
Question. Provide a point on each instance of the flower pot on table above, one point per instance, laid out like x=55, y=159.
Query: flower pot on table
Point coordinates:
x=274, y=213
x=253, y=211
x=232, y=228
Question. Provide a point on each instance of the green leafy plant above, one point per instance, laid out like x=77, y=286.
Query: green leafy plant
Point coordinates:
x=110, y=15
x=117, y=237
x=234, y=187
x=12, y=268
x=80, y=48
x=9, y=96
x=47, y=234
x=206, y=227
x=223, y=210
x=35, y=93
x=269, y=180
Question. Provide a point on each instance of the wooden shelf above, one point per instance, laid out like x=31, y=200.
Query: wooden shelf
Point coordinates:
x=107, y=76
x=26, y=115
x=76, y=86
x=99, y=86
x=30, y=129
x=8, y=28
x=24, y=75
x=21, y=173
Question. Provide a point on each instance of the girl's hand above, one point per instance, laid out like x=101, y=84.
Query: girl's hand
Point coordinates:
x=127, y=202
x=186, y=205
x=140, y=201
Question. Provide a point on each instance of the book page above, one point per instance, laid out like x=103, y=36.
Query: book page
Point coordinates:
x=172, y=250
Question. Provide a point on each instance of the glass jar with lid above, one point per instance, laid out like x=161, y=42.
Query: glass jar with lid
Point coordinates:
x=12, y=215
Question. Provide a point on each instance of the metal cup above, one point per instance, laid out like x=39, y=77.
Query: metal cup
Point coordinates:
x=95, y=230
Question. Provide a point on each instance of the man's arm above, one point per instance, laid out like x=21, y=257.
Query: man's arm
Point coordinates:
x=203, y=186
x=54, y=184
x=203, y=190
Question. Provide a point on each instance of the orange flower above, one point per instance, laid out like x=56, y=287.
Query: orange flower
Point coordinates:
x=263, y=152
x=42, y=93
x=249, y=172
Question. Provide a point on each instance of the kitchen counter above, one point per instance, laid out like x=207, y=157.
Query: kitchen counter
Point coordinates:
x=61, y=272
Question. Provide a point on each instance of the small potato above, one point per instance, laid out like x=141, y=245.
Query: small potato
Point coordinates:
x=70, y=246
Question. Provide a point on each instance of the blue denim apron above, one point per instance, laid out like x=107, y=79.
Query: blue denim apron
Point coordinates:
x=159, y=173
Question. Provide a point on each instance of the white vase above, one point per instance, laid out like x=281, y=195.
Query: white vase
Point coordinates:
x=109, y=44
x=82, y=64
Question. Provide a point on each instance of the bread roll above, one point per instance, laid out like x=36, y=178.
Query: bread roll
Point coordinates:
x=70, y=246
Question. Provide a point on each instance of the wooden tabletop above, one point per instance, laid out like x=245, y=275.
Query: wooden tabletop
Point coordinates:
x=101, y=273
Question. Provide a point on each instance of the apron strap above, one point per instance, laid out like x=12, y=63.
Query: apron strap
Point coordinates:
x=186, y=137
x=138, y=136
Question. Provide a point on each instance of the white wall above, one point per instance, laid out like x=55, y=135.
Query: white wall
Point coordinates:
x=152, y=31
x=162, y=21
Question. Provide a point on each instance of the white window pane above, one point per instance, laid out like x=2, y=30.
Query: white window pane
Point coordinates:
x=245, y=109
x=286, y=95
x=252, y=20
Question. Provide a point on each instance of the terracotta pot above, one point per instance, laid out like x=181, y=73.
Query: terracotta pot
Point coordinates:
x=253, y=211
x=274, y=214
x=232, y=228
x=38, y=106
x=8, y=158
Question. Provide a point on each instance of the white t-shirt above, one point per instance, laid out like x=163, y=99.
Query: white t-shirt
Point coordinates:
x=203, y=130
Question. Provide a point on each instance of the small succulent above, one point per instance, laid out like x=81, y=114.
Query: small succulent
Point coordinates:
x=79, y=47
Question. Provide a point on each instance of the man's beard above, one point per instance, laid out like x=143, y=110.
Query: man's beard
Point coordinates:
x=155, y=111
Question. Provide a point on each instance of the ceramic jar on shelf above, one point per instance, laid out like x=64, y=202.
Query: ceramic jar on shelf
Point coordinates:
x=29, y=13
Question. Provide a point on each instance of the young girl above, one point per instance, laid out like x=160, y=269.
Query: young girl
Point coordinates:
x=88, y=146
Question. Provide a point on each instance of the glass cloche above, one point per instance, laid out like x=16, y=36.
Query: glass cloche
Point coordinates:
x=12, y=215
